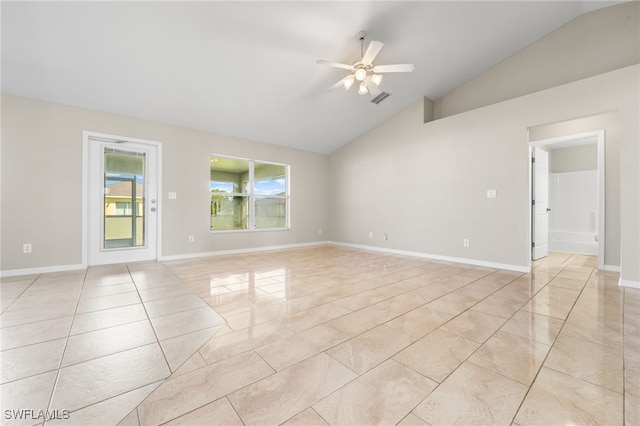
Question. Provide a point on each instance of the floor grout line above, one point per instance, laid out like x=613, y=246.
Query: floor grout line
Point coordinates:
x=64, y=350
x=327, y=281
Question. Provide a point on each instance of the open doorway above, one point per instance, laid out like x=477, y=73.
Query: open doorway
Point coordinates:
x=568, y=195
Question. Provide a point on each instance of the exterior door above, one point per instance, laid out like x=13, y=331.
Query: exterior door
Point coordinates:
x=122, y=211
x=540, y=204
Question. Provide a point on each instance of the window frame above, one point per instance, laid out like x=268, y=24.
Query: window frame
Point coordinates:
x=252, y=196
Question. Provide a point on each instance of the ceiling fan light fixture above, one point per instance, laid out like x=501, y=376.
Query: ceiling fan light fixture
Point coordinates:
x=348, y=82
x=363, y=71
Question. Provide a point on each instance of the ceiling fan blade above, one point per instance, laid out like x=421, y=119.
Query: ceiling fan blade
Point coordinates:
x=394, y=68
x=334, y=64
x=341, y=83
x=371, y=86
x=372, y=52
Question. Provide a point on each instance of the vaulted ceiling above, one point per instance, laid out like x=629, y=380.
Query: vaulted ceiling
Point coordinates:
x=248, y=69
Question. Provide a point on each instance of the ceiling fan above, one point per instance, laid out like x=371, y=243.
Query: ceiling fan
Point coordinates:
x=363, y=71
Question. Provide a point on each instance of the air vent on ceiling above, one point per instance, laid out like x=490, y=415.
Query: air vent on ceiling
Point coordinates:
x=381, y=97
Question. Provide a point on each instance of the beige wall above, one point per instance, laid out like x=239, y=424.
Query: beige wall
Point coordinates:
x=42, y=158
x=422, y=183
x=594, y=43
x=574, y=159
x=425, y=183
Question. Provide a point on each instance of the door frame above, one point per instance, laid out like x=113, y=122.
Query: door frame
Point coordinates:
x=600, y=135
x=86, y=137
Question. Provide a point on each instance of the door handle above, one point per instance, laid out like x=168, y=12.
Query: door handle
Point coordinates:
x=548, y=209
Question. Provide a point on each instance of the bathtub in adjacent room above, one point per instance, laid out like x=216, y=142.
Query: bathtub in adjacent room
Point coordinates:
x=573, y=242
x=573, y=219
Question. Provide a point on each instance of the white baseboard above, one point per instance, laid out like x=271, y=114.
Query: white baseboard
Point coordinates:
x=240, y=251
x=629, y=283
x=474, y=262
x=612, y=268
x=62, y=268
x=42, y=270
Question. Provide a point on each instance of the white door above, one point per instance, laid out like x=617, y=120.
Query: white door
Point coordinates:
x=122, y=200
x=540, y=204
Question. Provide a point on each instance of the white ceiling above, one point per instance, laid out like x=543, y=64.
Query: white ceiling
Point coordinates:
x=248, y=69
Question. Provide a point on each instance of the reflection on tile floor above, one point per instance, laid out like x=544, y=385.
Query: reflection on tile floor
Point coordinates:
x=323, y=335
x=95, y=343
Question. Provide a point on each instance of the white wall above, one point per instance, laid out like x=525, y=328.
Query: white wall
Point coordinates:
x=573, y=200
x=573, y=191
x=42, y=184
x=425, y=183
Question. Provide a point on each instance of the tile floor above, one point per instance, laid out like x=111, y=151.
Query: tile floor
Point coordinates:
x=322, y=335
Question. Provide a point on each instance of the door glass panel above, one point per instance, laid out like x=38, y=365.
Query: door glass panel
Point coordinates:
x=124, y=199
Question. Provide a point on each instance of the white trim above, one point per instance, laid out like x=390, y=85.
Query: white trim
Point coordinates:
x=474, y=262
x=252, y=196
x=63, y=268
x=612, y=268
x=549, y=141
x=85, y=193
x=601, y=184
x=241, y=251
x=629, y=283
x=602, y=205
x=41, y=270
x=86, y=136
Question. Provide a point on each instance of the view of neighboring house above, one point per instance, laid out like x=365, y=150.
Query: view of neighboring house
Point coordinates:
x=121, y=220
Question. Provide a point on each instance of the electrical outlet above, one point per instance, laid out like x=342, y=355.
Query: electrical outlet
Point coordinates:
x=492, y=193
x=465, y=243
x=370, y=234
x=26, y=248
x=173, y=195
x=319, y=231
x=190, y=239
x=385, y=237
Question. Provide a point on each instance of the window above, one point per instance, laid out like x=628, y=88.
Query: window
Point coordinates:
x=123, y=209
x=248, y=195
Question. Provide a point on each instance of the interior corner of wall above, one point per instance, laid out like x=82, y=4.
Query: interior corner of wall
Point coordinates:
x=428, y=110
x=437, y=109
x=628, y=283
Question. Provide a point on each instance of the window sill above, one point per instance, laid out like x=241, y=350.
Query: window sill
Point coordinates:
x=242, y=231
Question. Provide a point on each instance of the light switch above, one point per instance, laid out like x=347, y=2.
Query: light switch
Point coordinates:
x=491, y=193
x=173, y=195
